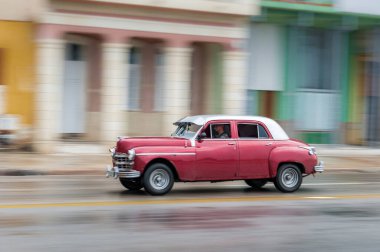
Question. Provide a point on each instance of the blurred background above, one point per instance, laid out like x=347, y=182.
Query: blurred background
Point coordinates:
x=75, y=74
x=91, y=70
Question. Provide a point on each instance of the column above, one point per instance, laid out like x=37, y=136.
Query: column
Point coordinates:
x=114, y=91
x=50, y=58
x=234, y=89
x=177, y=86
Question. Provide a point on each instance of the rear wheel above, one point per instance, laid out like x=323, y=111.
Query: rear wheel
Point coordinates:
x=288, y=179
x=131, y=184
x=256, y=183
x=158, y=179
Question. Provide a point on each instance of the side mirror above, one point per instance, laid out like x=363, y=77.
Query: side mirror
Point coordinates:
x=201, y=136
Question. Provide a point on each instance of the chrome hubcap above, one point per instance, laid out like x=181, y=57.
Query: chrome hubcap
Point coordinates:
x=290, y=177
x=159, y=179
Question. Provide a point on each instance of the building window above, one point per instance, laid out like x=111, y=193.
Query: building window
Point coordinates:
x=317, y=57
x=134, y=78
x=74, y=52
x=146, y=78
x=159, y=81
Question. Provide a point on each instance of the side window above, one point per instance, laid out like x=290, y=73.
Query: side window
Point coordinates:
x=218, y=130
x=247, y=131
x=262, y=132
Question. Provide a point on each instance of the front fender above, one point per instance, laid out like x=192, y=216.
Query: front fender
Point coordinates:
x=291, y=154
x=181, y=159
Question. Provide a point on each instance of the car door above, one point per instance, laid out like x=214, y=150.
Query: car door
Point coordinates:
x=216, y=158
x=254, y=145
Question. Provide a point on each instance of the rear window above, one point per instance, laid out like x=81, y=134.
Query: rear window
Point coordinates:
x=252, y=131
x=247, y=130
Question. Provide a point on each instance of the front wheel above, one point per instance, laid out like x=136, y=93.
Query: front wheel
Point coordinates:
x=131, y=184
x=288, y=179
x=256, y=183
x=158, y=179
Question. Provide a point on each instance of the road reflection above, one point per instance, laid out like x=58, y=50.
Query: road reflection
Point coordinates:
x=339, y=212
x=205, y=217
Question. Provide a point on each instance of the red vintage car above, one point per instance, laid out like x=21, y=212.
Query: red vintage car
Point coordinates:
x=214, y=148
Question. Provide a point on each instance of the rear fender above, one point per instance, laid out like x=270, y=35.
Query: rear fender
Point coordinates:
x=291, y=154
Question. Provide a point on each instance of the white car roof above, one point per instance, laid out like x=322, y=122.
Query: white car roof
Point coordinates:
x=275, y=129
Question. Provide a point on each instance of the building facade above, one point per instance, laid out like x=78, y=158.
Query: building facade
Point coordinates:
x=110, y=68
x=96, y=69
x=17, y=69
x=311, y=68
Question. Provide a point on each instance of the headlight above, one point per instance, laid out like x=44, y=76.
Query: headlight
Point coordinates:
x=112, y=150
x=131, y=154
x=312, y=150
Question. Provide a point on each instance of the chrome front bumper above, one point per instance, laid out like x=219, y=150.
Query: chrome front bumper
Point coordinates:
x=320, y=167
x=115, y=172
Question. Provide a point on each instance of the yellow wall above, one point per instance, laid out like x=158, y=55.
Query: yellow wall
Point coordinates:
x=17, y=43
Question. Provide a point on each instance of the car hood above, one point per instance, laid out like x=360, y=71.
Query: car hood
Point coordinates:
x=297, y=141
x=125, y=144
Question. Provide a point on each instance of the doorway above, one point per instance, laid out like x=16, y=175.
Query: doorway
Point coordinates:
x=74, y=90
x=372, y=103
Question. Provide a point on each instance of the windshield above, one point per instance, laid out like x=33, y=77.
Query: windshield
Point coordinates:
x=186, y=130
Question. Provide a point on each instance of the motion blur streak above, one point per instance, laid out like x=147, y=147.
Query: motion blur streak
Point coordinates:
x=185, y=201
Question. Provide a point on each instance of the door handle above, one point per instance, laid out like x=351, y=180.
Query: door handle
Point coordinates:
x=268, y=144
x=231, y=143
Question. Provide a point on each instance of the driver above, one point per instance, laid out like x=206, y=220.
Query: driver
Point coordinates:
x=220, y=133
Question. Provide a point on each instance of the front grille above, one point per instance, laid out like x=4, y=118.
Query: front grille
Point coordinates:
x=121, y=161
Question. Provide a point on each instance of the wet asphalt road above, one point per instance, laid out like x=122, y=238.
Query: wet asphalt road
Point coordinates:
x=335, y=211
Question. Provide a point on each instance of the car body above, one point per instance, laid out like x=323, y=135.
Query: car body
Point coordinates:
x=253, y=148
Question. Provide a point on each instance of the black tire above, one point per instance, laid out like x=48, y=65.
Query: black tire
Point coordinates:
x=288, y=179
x=256, y=183
x=131, y=184
x=158, y=179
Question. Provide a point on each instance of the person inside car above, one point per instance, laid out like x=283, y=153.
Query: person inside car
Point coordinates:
x=220, y=133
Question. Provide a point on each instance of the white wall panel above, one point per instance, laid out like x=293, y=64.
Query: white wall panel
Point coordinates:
x=362, y=6
x=317, y=111
x=266, y=58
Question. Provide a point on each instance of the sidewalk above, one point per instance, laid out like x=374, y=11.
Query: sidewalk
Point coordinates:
x=92, y=160
x=70, y=159
x=346, y=150
x=346, y=157
x=13, y=163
